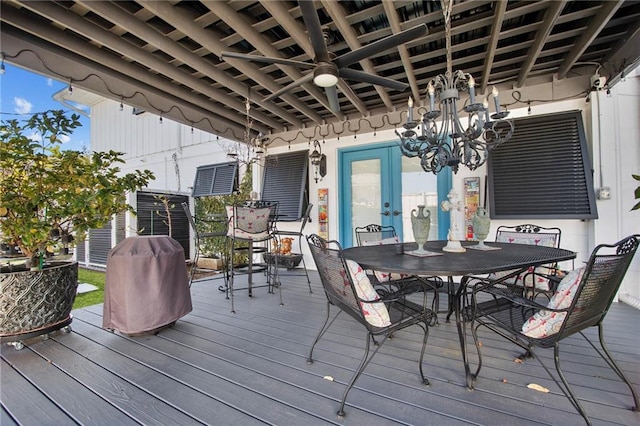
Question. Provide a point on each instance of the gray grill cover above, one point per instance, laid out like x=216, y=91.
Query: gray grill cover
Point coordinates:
x=146, y=286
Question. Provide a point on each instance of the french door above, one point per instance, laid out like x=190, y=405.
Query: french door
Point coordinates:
x=379, y=186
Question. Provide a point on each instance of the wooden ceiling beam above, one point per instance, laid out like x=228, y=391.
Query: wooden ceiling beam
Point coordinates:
x=119, y=17
x=244, y=28
x=178, y=18
x=598, y=22
x=74, y=44
x=396, y=27
x=338, y=14
x=542, y=35
x=492, y=45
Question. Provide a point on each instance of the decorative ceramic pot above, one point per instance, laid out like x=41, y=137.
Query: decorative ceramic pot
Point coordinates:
x=481, y=225
x=34, y=303
x=420, y=223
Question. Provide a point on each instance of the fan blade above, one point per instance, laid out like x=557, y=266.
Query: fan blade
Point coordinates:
x=299, y=82
x=312, y=22
x=380, y=45
x=267, y=60
x=364, y=77
x=332, y=97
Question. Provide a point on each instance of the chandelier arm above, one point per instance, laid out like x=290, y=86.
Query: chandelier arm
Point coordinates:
x=449, y=143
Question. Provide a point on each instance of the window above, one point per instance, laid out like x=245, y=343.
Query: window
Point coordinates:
x=544, y=171
x=153, y=218
x=216, y=179
x=286, y=181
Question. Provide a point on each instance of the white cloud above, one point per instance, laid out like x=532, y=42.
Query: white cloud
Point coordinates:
x=21, y=105
x=50, y=82
x=35, y=136
x=64, y=138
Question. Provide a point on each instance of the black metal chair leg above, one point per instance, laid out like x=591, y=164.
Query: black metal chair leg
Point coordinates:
x=363, y=364
x=609, y=360
x=567, y=389
x=323, y=329
x=304, y=264
x=425, y=381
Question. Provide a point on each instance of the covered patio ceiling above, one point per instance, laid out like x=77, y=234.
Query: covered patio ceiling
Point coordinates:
x=164, y=56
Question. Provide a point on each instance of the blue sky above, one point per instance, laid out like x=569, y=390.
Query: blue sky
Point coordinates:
x=23, y=93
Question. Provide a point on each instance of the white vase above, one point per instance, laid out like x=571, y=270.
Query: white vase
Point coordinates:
x=421, y=224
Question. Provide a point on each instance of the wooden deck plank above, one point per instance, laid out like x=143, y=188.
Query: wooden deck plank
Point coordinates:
x=15, y=389
x=82, y=407
x=139, y=404
x=216, y=367
x=193, y=390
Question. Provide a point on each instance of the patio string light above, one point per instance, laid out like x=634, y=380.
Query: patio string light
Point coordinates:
x=449, y=143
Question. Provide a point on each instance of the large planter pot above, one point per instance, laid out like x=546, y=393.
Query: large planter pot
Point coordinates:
x=34, y=303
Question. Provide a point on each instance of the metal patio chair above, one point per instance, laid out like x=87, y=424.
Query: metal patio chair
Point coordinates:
x=249, y=225
x=373, y=234
x=581, y=301
x=220, y=224
x=539, y=279
x=348, y=289
x=300, y=236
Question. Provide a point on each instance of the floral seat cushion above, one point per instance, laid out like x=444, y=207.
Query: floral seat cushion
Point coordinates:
x=545, y=323
x=249, y=219
x=383, y=276
x=531, y=277
x=375, y=314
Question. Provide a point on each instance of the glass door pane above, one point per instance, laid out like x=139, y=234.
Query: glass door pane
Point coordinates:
x=418, y=188
x=366, y=192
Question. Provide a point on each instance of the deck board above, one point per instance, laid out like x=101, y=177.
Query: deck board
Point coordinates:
x=215, y=367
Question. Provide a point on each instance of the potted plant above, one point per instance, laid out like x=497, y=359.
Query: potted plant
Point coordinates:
x=213, y=249
x=48, y=196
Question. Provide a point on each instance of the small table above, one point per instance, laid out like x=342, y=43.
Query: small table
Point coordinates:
x=510, y=256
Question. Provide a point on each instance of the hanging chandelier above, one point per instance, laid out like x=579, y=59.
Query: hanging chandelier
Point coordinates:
x=448, y=142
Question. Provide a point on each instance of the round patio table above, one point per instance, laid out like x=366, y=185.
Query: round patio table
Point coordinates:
x=503, y=257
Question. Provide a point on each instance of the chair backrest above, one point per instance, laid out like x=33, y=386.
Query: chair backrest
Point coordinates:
x=373, y=232
x=335, y=277
x=272, y=205
x=600, y=282
x=248, y=220
x=529, y=234
x=306, y=217
x=192, y=222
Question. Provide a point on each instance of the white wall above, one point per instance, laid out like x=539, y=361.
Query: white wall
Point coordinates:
x=610, y=121
x=172, y=151
x=617, y=147
x=618, y=114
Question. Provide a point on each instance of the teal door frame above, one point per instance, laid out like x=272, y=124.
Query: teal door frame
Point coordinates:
x=393, y=184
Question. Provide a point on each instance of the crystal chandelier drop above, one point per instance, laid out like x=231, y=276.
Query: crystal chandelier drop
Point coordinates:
x=449, y=143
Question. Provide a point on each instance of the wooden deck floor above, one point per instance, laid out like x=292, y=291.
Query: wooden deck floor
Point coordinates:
x=214, y=367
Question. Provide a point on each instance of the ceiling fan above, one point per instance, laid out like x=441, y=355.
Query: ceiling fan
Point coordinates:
x=326, y=68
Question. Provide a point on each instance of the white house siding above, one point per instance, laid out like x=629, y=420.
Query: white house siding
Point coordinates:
x=619, y=117
x=172, y=151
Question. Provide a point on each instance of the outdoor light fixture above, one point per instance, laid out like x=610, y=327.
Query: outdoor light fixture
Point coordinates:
x=449, y=143
x=325, y=75
x=318, y=161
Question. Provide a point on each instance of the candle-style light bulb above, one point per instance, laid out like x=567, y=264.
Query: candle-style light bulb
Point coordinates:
x=410, y=104
x=496, y=101
x=485, y=105
x=472, y=90
x=432, y=94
